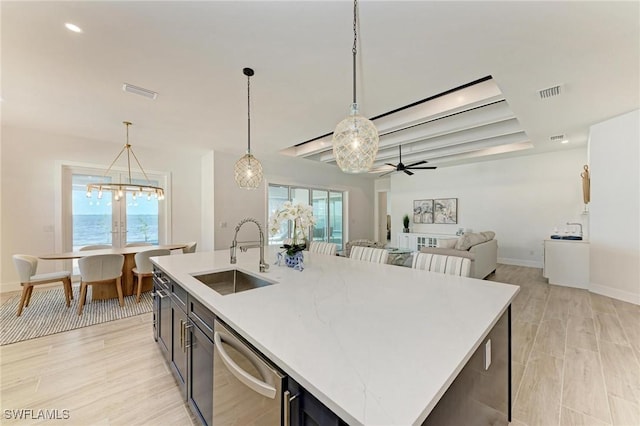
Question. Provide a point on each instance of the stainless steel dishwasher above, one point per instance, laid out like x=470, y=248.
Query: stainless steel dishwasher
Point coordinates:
x=246, y=389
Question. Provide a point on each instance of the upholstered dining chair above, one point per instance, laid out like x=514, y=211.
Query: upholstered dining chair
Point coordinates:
x=450, y=265
x=363, y=243
x=100, y=269
x=144, y=267
x=369, y=254
x=138, y=244
x=323, y=248
x=190, y=248
x=27, y=266
x=95, y=247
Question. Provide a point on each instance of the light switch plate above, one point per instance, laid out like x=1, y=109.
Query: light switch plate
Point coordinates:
x=487, y=354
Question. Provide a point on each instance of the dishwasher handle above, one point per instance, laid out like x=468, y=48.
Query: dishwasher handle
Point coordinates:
x=263, y=388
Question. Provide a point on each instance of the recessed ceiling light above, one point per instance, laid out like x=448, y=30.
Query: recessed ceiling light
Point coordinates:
x=73, y=27
x=564, y=141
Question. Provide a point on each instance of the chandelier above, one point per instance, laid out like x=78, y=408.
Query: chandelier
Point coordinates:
x=248, y=170
x=120, y=189
x=355, y=139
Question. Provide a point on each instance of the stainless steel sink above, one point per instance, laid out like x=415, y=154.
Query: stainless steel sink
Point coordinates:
x=231, y=281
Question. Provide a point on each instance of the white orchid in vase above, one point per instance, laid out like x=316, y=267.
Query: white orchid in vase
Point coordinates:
x=302, y=217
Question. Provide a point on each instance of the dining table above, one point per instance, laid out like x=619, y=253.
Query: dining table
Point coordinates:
x=129, y=253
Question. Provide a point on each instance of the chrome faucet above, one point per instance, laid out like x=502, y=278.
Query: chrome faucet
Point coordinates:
x=575, y=223
x=249, y=244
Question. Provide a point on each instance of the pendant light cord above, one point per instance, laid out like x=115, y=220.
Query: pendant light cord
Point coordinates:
x=248, y=114
x=354, y=50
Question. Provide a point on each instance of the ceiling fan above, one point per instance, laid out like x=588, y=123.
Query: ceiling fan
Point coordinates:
x=402, y=168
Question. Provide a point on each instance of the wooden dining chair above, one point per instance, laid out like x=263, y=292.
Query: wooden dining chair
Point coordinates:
x=190, y=248
x=144, y=267
x=369, y=254
x=95, y=247
x=100, y=269
x=26, y=266
x=138, y=244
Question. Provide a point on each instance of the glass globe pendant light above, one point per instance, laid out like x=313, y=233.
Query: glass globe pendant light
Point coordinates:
x=248, y=170
x=355, y=139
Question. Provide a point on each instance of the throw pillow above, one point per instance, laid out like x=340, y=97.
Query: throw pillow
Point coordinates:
x=466, y=241
x=447, y=243
x=488, y=235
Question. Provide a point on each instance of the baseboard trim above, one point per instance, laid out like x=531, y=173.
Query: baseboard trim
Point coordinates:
x=11, y=287
x=520, y=262
x=615, y=293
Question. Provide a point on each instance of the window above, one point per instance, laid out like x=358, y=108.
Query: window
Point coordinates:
x=327, y=209
x=106, y=221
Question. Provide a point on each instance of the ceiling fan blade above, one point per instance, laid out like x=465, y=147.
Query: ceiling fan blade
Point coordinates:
x=392, y=165
x=423, y=168
x=417, y=163
x=408, y=172
x=387, y=173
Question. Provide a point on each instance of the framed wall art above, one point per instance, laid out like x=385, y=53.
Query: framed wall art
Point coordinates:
x=423, y=211
x=445, y=210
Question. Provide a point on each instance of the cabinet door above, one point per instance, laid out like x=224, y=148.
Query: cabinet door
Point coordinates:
x=201, y=374
x=306, y=410
x=163, y=322
x=404, y=241
x=179, y=344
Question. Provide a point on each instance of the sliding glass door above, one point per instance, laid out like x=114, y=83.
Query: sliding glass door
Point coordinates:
x=327, y=209
x=336, y=201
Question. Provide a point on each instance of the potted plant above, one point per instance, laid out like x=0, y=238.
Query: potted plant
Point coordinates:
x=405, y=222
x=302, y=218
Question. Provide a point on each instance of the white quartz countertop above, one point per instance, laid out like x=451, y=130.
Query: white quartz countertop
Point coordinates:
x=377, y=344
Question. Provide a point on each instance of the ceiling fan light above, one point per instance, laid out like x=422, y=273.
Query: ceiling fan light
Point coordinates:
x=355, y=143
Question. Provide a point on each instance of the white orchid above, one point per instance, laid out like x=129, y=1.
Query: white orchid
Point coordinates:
x=300, y=214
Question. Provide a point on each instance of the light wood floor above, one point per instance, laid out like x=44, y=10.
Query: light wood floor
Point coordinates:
x=575, y=362
x=576, y=355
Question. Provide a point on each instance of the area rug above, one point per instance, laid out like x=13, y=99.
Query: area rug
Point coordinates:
x=48, y=314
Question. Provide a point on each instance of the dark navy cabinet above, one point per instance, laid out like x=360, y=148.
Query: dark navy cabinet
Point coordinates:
x=306, y=410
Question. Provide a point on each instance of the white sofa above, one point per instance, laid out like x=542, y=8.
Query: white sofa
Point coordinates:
x=483, y=252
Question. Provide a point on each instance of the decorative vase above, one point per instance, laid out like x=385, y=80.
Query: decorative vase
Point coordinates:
x=406, y=230
x=294, y=260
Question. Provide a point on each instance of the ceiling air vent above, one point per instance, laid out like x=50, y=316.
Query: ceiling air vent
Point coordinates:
x=549, y=92
x=139, y=91
x=559, y=138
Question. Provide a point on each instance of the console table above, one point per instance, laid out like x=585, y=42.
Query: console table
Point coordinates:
x=414, y=241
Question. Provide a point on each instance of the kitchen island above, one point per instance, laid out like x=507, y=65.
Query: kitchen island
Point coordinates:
x=377, y=344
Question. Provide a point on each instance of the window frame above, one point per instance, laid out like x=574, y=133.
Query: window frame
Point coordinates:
x=311, y=189
x=64, y=223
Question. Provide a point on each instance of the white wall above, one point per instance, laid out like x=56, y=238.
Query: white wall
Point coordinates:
x=521, y=199
x=233, y=204
x=31, y=162
x=207, y=227
x=614, y=155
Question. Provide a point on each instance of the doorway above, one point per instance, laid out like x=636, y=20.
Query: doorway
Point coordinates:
x=383, y=219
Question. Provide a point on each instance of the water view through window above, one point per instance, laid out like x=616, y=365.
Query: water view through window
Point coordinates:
x=104, y=221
